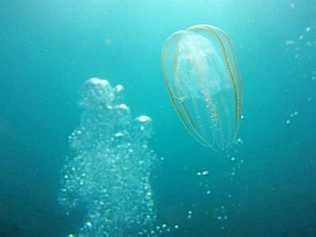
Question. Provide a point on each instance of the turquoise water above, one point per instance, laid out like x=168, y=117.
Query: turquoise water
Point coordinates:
x=264, y=186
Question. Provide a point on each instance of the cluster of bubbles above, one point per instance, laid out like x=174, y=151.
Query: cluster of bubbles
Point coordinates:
x=301, y=43
x=109, y=172
x=292, y=116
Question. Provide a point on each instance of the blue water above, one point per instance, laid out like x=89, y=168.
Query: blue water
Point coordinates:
x=265, y=186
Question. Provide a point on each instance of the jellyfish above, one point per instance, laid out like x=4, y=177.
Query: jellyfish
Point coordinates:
x=108, y=172
x=203, y=82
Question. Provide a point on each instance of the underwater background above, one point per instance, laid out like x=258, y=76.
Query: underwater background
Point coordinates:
x=264, y=186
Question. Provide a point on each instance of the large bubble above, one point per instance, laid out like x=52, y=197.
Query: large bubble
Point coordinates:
x=109, y=171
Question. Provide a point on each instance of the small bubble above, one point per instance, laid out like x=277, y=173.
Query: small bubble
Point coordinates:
x=240, y=141
x=205, y=172
x=123, y=107
x=118, y=135
x=308, y=29
x=143, y=119
x=88, y=224
x=288, y=121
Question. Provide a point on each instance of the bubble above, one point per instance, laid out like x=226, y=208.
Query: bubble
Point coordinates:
x=189, y=214
x=119, y=88
x=143, y=119
x=202, y=173
x=109, y=172
x=205, y=172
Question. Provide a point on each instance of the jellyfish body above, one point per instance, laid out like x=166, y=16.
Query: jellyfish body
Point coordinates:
x=203, y=82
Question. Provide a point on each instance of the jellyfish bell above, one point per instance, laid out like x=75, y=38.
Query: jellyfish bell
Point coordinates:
x=203, y=83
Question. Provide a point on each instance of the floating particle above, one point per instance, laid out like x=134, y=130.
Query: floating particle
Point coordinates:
x=288, y=121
